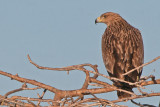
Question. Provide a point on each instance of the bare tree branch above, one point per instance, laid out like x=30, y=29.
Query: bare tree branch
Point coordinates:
x=76, y=97
x=141, y=66
x=142, y=105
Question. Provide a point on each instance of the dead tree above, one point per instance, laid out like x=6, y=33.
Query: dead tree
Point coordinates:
x=75, y=98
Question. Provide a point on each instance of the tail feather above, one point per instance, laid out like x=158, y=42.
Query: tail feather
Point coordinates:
x=122, y=94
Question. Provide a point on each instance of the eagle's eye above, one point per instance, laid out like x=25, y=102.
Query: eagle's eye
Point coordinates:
x=104, y=16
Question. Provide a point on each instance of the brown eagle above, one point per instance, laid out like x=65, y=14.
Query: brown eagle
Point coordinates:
x=122, y=50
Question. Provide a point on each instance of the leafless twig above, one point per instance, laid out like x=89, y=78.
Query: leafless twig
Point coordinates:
x=141, y=66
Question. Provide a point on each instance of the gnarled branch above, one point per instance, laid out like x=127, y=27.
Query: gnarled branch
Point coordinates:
x=66, y=97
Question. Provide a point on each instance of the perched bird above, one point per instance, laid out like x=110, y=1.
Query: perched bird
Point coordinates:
x=122, y=50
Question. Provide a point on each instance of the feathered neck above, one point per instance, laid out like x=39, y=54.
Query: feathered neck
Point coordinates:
x=118, y=25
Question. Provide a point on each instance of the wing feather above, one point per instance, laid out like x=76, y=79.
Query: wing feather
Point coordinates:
x=123, y=52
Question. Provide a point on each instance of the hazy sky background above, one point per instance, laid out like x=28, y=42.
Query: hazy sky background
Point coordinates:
x=59, y=33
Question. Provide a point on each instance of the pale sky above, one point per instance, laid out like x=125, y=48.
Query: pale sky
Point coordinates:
x=59, y=33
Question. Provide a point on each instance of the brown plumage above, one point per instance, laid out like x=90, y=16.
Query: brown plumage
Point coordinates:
x=122, y=50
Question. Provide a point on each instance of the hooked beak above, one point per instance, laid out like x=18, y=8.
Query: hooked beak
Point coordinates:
x=98, y=20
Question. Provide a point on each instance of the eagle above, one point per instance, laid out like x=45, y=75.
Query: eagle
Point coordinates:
x=122, y=50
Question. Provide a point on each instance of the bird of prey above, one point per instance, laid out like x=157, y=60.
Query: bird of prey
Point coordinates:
x=122, y=50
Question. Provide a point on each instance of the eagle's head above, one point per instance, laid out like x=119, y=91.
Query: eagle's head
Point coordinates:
x=108, y=18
